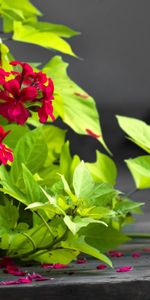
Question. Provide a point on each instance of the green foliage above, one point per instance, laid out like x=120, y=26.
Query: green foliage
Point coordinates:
x=139, y=133
x=104, y=169
x=76, y=107
x=54, y=206
x=30, y=33
x=66, y=216
x=137, y=130
x=140, y=170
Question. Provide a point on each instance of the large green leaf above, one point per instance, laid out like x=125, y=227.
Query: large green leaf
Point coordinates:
x=140, y=170
x=19, y=11
x=9, y=215
x=33, y=191
x=9, y=187
x=104, y=169
x=125, y=206
x=78, y=109
x=17, y=132
x=103, y=238
x=79, y=243
x=62, y=256
x=25, y=6
x=5, y=57
x=137, y=130
x=77, y=223
x=31, y=150
x=82, y=181
x=54, y=138
x=58, y=29
x=47, y=39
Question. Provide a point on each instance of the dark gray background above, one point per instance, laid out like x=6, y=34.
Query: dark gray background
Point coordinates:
x=115, y=69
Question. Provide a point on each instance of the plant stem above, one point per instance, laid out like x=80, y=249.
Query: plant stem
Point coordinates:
x=30, y=239
x=46, y=224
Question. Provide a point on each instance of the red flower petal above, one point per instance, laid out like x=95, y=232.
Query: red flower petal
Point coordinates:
x=124, y=269
x=24, y=280
x=146, y=249
x=13, y=87
x=6, y=261
x=114, y=253
x=101, y=267
x=3, y=133
x=5, y=154
x=136, y=254
x=81, y=261
x=59, y=266
x=47, y=266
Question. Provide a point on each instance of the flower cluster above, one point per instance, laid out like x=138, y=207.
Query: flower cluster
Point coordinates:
x=23, y=91
x=27, y=91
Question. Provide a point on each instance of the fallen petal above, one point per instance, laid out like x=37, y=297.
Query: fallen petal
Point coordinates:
x=136, y=254
x=81, y=261
x=124, y=269
x=101, y=267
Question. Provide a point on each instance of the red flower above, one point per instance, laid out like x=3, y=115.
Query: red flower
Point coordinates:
x=3, y=74
x=5, y=152
x=27, y=87
x=47, y=109
x=14, y=98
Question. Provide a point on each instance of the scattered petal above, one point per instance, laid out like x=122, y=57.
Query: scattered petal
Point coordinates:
x=146, y=249
x=115, y=253
x=136, y=254
x=81, y=261
x=124, y=269
x=47, y=266
x=101, y=267
x=59, y=266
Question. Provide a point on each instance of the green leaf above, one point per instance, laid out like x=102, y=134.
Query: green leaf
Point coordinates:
x=65, y=161
x=95, y=212
x=82, y=181
x=8, y=187
x=127, y=205
x=33, y=191
x=17, y=132
x=47, y=39
x=67, y=189
x=5, y=57
x=101, y=195
x=53, y=201
x=140, y=170
x=31, y=150
x=54, y=138
x=137, y=130
x=78, y=109
x=104, y=169
x=79, y=223
x=58, y=29
x=79, y=243
x=103, y=238
x=8, y=217
x=62, y=256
